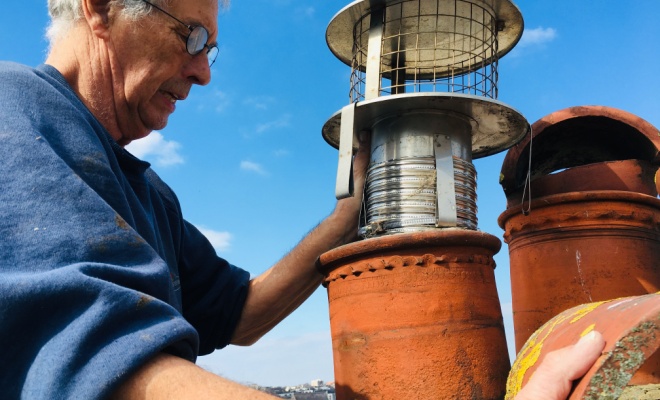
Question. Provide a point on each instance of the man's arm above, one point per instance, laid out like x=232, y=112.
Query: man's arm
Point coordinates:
x=169, y=377
x=280, y=290
x=273, y=295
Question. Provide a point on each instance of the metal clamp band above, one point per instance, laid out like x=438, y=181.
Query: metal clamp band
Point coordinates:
x=444, y=168
x=344, y=185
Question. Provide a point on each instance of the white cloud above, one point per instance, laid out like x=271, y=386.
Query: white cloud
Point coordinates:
x=155, y=149
x=306, y=12
x=220, y=100
x=281, y=122
x=219, y=240
x=281, y=153
x=537, y=36
x=252, y=167
x=259, y=102
x=225, y=6
x=209, y=99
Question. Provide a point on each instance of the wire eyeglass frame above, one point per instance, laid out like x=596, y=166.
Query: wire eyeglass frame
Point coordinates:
x=196, y=39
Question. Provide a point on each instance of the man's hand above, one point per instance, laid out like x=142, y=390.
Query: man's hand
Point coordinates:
x=347, y=212
x=277, y=292
x=553, y=378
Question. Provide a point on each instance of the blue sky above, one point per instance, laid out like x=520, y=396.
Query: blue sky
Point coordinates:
x=246, y=156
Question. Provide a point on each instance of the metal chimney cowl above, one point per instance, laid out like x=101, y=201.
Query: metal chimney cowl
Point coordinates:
x=414, y=309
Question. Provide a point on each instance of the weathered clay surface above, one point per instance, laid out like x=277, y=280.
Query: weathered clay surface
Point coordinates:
x=637, y=176
x=417, y=316
x=584, y=225
x=641, y=392
x=579, y=248
x=579, y=137
x=630, y=327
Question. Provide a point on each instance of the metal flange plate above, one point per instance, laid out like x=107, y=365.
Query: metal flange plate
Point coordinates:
x=495, y=126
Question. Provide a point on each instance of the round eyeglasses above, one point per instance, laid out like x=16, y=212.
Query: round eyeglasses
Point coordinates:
x=196, y=39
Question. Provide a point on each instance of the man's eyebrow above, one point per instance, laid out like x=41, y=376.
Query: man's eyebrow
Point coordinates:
x=194, y=22
x=199, y=23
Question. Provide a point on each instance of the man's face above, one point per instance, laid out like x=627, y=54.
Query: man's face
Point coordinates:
x=151, y=69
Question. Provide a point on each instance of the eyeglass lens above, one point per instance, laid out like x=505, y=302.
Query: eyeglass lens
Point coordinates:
x=197, y=41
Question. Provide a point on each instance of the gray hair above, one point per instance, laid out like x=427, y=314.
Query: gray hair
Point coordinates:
x=65, y=13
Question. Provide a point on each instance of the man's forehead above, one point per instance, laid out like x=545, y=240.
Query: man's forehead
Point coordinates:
x=198, y=12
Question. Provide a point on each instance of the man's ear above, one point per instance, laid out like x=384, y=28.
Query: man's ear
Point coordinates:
x=97, y=15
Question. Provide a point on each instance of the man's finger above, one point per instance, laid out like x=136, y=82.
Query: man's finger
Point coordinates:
x=552, y=380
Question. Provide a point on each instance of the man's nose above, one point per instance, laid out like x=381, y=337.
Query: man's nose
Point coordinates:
x=198, y=69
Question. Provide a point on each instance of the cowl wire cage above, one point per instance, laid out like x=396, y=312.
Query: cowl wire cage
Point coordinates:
x=424, y=83
x=430, y=46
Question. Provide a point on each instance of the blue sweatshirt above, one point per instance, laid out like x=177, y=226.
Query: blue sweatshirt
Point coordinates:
x=98, y=269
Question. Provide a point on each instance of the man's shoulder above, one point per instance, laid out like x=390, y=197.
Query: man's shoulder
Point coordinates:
x=24, y=89
x=9, y=67
x=18, y=81
x=37, y=102
x=13, y=73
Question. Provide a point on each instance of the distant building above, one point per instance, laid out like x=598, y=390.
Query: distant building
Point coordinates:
x=316, y=383
x=309, y=396
x=317, y=390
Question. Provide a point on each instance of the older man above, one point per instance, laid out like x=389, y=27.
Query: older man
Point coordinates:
x=105, y=289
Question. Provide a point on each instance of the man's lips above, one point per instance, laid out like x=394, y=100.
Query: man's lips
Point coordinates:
x=173, y=96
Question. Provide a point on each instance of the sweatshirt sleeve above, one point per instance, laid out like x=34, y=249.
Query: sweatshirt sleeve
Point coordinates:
x=85, y=299
x=213, y=297
x=213, y=290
